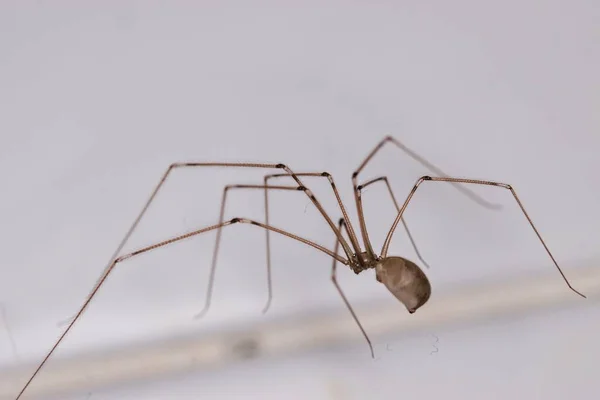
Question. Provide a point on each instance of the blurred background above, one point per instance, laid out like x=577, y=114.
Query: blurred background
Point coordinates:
x=98, y=99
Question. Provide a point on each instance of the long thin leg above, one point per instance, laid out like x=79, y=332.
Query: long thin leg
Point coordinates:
x=351, y=233
x=156, y=246
x=389, y=187
x=213, y=266
x=339, y=289
x=423, y=162
x=388, y=238
x=173, y=166
x=314, y=200
x=390, y=139
x=359, y=189
x=267, y=233
x=349, y=228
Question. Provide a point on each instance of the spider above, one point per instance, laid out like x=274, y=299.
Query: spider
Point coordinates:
x=402, y=277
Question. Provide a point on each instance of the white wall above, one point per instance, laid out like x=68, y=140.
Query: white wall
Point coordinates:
x=549, y=356
x=98, y=100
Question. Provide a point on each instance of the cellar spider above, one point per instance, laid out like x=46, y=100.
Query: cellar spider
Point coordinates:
x=402, y=277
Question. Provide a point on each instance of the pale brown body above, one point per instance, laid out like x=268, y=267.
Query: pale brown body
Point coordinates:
x=402, y=277
x=405, y=280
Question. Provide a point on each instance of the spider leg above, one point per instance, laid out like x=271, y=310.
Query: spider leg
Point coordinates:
x=339, y=289
x=211, y=278
x=267, y=233
x=348, y=225
x=164, y=243
x=422, y=179
x=412, y=154
x=174, y=166
x=422, y=161
x=314, y=200
x=410, y=237
x=351, y=234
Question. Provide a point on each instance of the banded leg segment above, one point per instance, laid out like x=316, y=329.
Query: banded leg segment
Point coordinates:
x=174, y=166
x=389, y=187
x=213, y=267
x=268, y=236
x=160, y=185
x=314, y=200
x=421, y=160
x=388, y=238
x=164, y=243
x=349, y=230
x=389, y=139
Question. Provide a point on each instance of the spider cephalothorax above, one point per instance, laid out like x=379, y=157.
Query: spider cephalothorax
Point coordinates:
x=363, y=261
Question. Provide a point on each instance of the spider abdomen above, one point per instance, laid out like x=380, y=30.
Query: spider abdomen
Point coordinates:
x=405, y=280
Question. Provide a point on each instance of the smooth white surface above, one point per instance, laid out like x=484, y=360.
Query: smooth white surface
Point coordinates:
x=472, y=362
x=200, y=354
x=98, y=100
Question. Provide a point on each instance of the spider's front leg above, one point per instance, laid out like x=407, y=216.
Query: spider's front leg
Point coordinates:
x=384, y=179
x=112, y=262
x=180, y=165
x=424, y=162
x=164, y=243
x=421, y=160
x=506, y=186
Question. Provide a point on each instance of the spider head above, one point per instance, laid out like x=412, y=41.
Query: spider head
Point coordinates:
x=407, y=282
